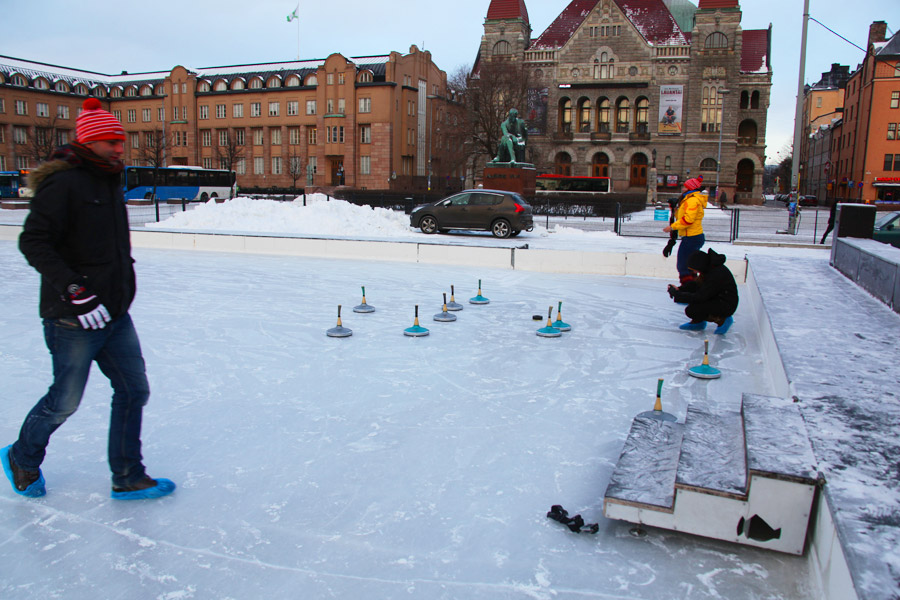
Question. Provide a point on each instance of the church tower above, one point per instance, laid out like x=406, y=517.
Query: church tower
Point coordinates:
x=507, y=31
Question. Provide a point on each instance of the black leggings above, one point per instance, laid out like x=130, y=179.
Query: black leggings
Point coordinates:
x=703, y=311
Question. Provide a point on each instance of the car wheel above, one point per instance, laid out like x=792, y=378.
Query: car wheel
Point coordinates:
x=204, y=197
x=514, y=232
x=501, y=228
x=428, y=224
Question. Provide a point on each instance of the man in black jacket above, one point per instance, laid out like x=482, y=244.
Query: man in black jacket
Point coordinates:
x=76, y=236
x=712, y=297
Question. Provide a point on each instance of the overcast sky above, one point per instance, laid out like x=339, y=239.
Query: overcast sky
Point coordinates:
x=152, y=36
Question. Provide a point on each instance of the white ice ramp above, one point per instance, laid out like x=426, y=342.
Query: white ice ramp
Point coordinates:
x=745, y=477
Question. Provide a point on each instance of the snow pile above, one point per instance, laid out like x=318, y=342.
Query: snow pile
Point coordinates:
x=320, y=216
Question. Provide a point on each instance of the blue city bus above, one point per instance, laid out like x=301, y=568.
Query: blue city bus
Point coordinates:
x=11, y=182
x=188, y=183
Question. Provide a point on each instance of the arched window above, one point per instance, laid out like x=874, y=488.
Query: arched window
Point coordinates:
x=312, y=80
x=81, y=89
x=256, y=83
x=716, y=39
x=116, y=92
x=584, y=115
x=603, y=115
x=161, y=89
x=754, y=99
x=708, y=164
x=146, y=90
x=220, y=85
x=365, y=76
x=292, y=81
x=607, y=66
x=623, y=116
x=745, y=99
x=747, y=133
x=98, y=92
x=238, y=84
x=202, y=86
x=501, y=48
x=565, y=115
x=41, y=84
x=562, y=164
x=642, y=116
x=61, y=86
x=668, y=163
x=274, y=82
x=600, y=165
x=19, y=80
x=131, y=91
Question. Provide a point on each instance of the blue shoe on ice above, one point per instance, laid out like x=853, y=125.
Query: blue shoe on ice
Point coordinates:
x=144, y=489
x=691, y=326
x=35, y=489
x=725, y=326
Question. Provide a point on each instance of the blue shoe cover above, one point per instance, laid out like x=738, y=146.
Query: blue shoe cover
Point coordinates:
x=163, y=487
x=721, y=329
x=35, y=490
x=689, y=326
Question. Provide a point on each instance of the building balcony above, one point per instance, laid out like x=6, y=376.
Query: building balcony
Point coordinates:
x=601, y=136
x=562, y=136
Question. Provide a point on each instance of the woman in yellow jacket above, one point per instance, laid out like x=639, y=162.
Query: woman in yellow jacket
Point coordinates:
x=688, y=225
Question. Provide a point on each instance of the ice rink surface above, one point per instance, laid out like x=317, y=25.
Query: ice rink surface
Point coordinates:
x=374, y=466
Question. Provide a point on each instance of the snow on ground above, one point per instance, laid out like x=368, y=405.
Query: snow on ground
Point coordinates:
x=375, y=466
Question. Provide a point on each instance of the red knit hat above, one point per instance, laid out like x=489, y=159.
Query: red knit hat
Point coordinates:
x=95, y=124
x=693, y=183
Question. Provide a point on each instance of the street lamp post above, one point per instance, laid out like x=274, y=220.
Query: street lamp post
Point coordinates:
x=723, y=93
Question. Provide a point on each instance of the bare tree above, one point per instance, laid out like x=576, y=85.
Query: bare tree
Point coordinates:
x=295, y=166
x=230, y=149
x=491, y=91
x=153, y=148
x=46, y=138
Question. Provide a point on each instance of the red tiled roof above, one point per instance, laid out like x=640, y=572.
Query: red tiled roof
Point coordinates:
x=753, y=53
x=717, y=4
x=651, y=18
x=507, y=9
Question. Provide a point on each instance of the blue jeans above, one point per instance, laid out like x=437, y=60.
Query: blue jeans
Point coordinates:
x=117, y=351
x=688, y=246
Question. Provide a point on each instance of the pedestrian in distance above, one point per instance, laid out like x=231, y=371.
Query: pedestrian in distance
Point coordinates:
x=711, y=296
x=76, y=236
x=687, y=224
x=832, y=215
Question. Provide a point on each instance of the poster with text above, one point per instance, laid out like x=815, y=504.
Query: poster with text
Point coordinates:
x=670, y=103
x=536, y=114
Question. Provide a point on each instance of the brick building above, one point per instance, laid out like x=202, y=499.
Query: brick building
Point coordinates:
x=866, y=142
x=621, y=89
x=375, y=122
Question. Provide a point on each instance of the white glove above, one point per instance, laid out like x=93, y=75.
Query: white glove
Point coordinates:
x=96, y=319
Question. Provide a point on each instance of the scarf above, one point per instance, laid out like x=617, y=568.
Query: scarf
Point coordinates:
x=80, y=155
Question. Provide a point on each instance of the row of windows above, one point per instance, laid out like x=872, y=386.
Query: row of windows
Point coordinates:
x=333, y=134
x=892, y=162
x=589, y=119
x=274, y=108
x=219, y=85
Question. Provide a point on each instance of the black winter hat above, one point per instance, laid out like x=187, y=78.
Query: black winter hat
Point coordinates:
x=698, y=261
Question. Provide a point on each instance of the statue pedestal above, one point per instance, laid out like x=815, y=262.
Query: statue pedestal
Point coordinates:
x=511, y=177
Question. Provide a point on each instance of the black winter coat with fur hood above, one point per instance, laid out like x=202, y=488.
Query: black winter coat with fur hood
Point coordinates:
x=77, y=232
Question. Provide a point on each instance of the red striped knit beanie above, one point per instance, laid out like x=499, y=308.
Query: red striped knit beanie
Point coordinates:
x=95, y=124
x=693, y=183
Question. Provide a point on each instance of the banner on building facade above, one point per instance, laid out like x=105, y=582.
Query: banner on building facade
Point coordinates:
x=670, y=102
x=536, y=113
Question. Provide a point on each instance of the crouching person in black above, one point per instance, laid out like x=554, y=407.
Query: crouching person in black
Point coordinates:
x=712, y=297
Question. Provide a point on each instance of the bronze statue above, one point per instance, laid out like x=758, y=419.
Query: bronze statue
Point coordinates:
x=512, y=141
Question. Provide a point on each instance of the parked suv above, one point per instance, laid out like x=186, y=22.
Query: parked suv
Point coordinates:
x=502, y=213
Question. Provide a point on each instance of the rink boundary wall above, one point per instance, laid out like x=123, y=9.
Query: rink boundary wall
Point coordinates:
x=825, y=555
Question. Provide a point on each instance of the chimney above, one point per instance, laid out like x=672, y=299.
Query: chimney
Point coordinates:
x=877, y=32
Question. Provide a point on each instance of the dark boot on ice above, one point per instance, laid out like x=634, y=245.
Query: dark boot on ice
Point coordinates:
x=144, y=489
